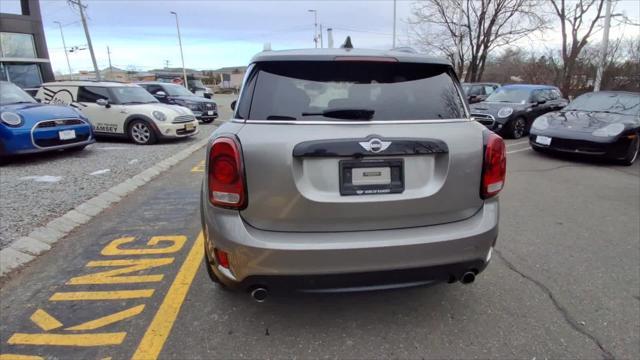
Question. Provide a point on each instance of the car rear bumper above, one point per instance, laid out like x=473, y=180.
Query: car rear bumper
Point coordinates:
x=348, y=260
x=615, y=149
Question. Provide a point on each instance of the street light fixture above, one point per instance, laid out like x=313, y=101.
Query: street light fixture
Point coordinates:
x=64, y=46
x=315, y=26
x=184, y=71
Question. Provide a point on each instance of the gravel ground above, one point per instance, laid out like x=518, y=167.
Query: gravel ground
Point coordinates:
x=35, y=189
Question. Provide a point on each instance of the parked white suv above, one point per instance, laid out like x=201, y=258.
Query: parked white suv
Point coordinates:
x=124, y=110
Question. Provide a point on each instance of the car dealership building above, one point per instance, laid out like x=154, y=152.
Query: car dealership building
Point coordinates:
x=24, y=59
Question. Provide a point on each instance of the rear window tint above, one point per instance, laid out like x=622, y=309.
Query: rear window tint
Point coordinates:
x=394, y=91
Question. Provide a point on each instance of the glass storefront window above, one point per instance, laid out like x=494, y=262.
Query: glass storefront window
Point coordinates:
x=17, y=45
x=24, y=75
x=11, y=7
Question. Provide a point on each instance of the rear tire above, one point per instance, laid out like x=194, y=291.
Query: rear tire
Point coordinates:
x=141, y=133
x=516, y=128
x=632, y=153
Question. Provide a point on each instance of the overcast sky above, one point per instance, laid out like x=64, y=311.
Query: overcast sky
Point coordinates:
x=142, y=33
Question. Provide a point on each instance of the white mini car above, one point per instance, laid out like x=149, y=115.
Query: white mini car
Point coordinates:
x=119, y=109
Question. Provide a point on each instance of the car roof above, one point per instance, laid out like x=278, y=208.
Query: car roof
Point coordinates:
x=614, y=92
x=330, y=55
x=155, y=83
x=89, y=83
x=528, y=86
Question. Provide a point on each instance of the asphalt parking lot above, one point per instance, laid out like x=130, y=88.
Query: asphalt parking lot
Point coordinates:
x=35, y=189
x=563, y=283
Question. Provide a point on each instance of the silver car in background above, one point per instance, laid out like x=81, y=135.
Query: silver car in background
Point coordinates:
x=349, y=170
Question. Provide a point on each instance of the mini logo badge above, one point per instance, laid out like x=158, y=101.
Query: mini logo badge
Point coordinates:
x=375, y=145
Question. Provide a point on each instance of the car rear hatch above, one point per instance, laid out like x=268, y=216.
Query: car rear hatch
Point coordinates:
x=357, y=145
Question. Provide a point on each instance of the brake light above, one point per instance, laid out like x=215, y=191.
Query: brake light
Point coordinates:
x=366, y=58
x=494, y=169
x=226, y=174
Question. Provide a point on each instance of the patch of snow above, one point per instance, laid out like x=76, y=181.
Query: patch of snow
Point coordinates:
x=113, y=148
x=45, y=178
x=133, y=161
x=100, y=172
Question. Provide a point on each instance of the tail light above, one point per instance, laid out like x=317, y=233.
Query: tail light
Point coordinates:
x=226, y=174
x=494, y=168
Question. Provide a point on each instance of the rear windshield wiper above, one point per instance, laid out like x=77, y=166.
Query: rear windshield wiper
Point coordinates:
x=352, y=114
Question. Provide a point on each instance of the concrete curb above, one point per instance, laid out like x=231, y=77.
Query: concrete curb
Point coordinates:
x=40, y=240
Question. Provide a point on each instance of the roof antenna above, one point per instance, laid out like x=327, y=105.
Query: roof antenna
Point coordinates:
x=347, y=43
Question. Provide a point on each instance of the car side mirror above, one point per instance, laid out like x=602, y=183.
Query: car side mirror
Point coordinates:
x=233, y=105
x=161, y=94
x=103, y=102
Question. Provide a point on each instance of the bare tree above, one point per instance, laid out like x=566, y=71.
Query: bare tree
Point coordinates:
x=466, y=31
x=576, y=29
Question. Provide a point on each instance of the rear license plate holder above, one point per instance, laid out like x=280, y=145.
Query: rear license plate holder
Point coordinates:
x=371, y=177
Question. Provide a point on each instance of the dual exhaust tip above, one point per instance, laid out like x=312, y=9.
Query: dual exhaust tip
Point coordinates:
x=260, y=294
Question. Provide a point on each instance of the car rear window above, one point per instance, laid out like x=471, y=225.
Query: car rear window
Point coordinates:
x=303, y=91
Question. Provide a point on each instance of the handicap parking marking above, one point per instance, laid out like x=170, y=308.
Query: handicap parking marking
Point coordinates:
x=101, y=317
x=199, y=167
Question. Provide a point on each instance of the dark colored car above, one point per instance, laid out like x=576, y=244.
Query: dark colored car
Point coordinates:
x=28, y=127
x=476, y=92
x=204, y=109
x=511, y=109
x=605, y=123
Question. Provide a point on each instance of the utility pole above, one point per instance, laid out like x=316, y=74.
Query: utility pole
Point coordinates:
x=64, y=46
x=86, y=33
x=605, y=45
x=166, y=64
x=320, y=35
x=394, y=24
x=184, y=71
x=109, y=56
x=330, y=38
x=315, y=26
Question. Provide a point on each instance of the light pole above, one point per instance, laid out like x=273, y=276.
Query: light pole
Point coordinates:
x=64, y=46
x=315, y=26
x=394, y=24
x=184, y=71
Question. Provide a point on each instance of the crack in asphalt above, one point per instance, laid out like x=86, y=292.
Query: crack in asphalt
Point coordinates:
x=565, y=313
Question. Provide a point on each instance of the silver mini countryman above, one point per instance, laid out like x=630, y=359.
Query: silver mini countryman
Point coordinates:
x=349, y=170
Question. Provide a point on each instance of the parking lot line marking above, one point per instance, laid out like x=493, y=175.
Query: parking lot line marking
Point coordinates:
x=517, y=151
x=518, y=143
x=160, y=327
x=102, y=295
x=45, y=321
x=20, y=357
x=128, y=266
x=109, y=319
x=199, y=167
x=84, y=340
x=176, y=243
